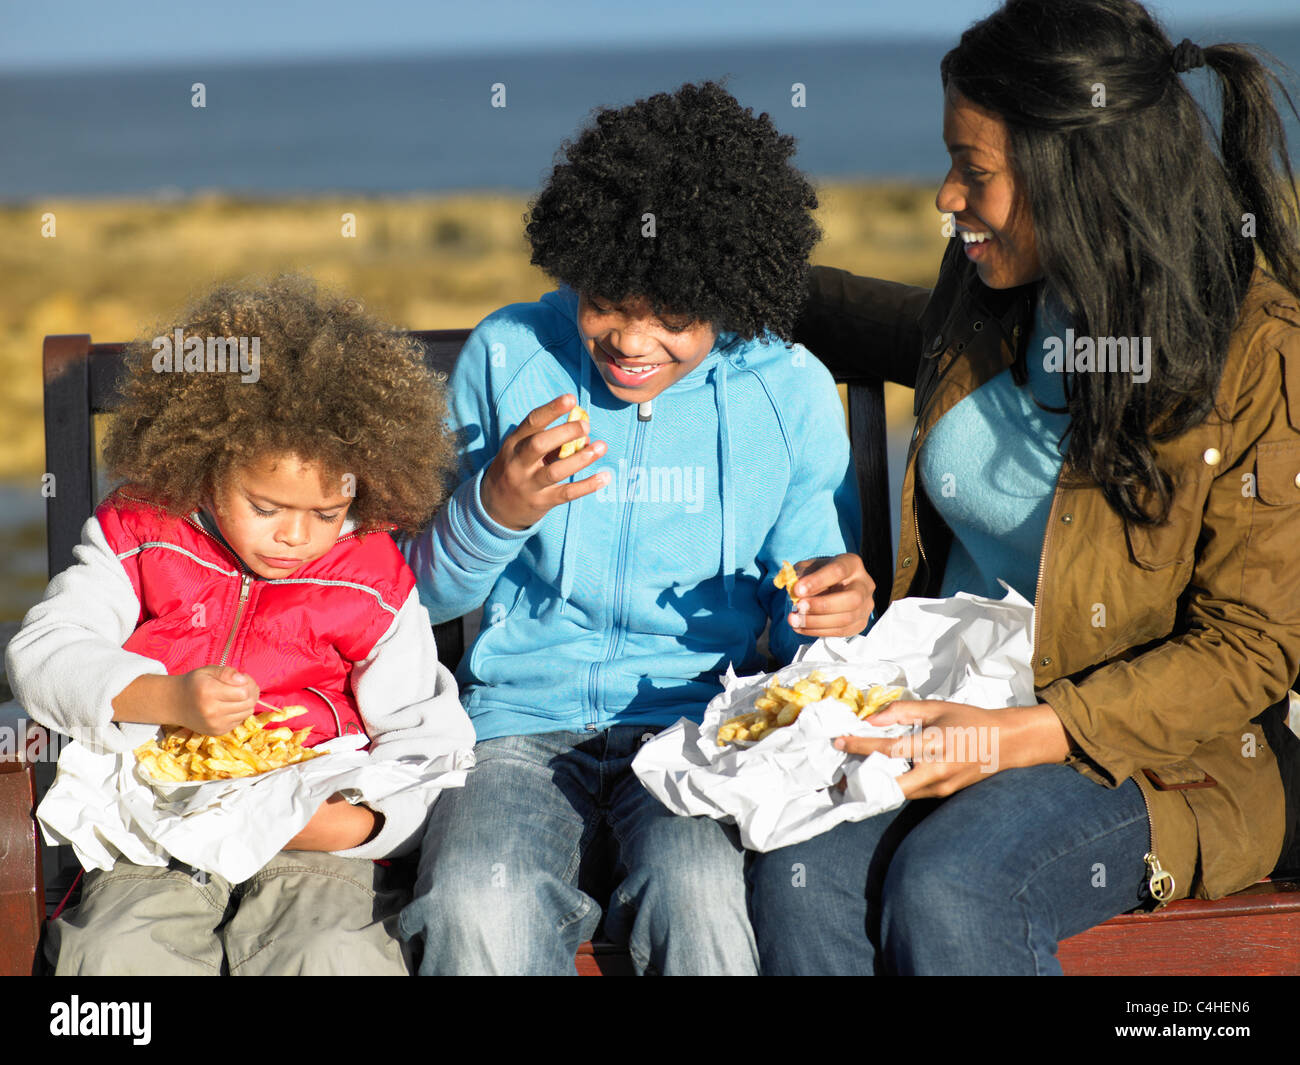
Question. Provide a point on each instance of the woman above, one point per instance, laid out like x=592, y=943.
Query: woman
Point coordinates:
x=1147, y=505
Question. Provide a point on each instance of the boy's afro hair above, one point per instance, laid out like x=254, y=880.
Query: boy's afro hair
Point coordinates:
x=732, y=222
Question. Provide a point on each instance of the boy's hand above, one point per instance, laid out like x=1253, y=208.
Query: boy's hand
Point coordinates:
x=523, y=482
x=211, y=700
x=834, y=596
x=337, y=825
x=214, y=699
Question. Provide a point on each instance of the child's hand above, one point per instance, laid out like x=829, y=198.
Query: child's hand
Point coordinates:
x=214, y=699
x=523, y=482
x=834, y=596
x=337, y=825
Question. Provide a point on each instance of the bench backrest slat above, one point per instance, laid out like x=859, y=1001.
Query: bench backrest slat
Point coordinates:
x=81, y=380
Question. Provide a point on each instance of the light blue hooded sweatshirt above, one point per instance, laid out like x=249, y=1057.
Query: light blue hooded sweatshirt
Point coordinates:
x=625, y=606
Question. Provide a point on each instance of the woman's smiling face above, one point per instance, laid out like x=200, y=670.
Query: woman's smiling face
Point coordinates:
x=980, y=193
x=638, y=353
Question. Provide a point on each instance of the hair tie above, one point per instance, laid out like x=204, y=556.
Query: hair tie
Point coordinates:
x=1187, y=56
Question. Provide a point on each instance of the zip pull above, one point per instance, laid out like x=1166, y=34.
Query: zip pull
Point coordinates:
x=244, y=584
x=1160, y=881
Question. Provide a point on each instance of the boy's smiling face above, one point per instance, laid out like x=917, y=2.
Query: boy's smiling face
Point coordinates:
x=277, y=515
x=638, y=353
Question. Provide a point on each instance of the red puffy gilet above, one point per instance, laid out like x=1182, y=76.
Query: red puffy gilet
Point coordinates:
x=297, y=637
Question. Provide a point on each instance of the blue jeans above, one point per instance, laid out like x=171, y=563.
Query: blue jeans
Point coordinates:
x=987, y=881
x=506, y=872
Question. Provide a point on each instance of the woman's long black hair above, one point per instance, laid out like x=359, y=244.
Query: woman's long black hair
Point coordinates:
x=1143, y=228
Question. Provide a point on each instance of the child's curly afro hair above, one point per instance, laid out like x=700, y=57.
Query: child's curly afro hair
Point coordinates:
x=336, y=387
x=732, y=223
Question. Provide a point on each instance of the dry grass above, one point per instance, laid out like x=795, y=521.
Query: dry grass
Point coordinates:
x=115, y=267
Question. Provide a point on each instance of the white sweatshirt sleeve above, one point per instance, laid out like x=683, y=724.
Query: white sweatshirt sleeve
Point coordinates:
x=411, y=708
x=66, y=664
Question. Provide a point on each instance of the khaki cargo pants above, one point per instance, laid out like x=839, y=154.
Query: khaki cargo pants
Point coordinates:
x=306, y=913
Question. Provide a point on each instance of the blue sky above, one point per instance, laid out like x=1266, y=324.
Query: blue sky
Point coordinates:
x=100, y=33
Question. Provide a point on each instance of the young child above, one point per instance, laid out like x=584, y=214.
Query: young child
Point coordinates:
x=248, y=559
x=612, y=602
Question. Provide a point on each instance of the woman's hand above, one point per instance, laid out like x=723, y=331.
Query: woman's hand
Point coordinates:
x=959, y=744
x=525, y=479
x=834, y=596
x=337, y=825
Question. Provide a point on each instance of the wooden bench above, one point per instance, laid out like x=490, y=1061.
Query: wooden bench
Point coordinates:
x=1255, y=931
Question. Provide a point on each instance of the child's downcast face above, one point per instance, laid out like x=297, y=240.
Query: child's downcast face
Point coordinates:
x=277, y=514
x=638, y=353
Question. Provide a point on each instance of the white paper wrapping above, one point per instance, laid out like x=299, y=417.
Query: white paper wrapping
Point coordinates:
x=778, y=791
x=105, y=809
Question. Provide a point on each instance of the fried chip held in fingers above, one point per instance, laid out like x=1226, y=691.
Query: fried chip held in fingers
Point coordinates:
x=786, y=579
x=574, y=446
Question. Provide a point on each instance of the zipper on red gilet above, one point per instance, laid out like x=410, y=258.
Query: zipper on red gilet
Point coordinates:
x=244, y=584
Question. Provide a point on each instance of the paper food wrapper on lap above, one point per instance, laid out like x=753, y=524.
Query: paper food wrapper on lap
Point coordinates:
x=105, y=808
x=781, y=789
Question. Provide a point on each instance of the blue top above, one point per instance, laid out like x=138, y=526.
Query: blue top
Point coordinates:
x=625, y=606
x=990, y=467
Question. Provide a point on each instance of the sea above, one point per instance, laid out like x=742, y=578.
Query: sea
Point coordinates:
x=867, y=109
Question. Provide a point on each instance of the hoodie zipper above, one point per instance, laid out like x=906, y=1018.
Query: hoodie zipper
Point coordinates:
x=620, y=573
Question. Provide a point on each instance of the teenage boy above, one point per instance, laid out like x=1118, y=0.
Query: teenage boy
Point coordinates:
x=612, y=600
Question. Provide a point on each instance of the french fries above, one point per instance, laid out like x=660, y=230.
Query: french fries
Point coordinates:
x=780, y=706
x=574, y=446
x=786, y=579
x=244, y=751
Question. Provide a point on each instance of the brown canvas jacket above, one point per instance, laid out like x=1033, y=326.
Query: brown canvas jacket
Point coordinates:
x=1155, y=646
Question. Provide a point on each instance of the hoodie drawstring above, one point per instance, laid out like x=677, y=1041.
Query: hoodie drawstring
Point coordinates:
x=570, y=521
x=724, y=482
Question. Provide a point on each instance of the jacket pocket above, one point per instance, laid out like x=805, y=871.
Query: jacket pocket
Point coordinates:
x=492, y=624
x=1286, y=311
x=1156, y=547
x=1180, y=776
x=1291, y=377
x=1277, y=472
